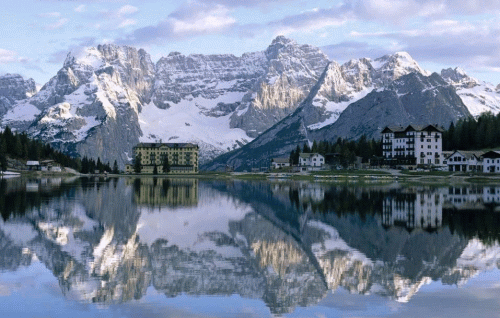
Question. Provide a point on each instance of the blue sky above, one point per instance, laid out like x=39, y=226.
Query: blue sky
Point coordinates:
x=36, y=35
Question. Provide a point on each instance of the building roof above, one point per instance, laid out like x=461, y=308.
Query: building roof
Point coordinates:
x=308, y=155
x=492, y=154
x=412, y=127
x=281, y=160
x=468, y=154
x=169, y=144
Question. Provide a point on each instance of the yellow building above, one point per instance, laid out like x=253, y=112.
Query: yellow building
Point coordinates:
x=182, y=157
x=165, y=192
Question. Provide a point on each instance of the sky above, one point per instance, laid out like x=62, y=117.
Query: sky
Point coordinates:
x=36, y=35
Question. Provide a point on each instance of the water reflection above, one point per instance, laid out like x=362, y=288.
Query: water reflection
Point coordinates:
x=288, y=244
x=170, y=192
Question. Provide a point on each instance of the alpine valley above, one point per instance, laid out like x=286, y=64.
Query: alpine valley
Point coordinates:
x=106, y=99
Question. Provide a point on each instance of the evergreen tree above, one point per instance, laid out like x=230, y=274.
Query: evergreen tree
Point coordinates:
x=306, y=148
x=166, y=165
x=314, y=148
x=3, y=161
x=155, y=170
x=115, y=168
x=137, y=164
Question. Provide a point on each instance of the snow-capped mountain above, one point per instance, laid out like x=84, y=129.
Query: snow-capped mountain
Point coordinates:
x=411, y=99
x=106, y=99
x=478, y=96
x=14, y=87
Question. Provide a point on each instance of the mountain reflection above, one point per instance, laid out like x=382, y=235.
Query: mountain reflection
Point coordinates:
x=108, y=240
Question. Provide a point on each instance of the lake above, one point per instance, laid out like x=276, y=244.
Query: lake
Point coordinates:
x=149, y=247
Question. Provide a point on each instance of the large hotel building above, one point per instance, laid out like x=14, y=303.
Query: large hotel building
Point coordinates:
x=413, y=145
x=182, y=157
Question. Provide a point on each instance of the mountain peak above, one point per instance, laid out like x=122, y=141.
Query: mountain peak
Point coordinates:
x=278, y=44
x=458, y=76
x=281, y=39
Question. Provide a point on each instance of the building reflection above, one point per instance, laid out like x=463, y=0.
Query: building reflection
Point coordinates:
x=154, y=192
x=414, y=208
x=473, y=197
x=262, y=241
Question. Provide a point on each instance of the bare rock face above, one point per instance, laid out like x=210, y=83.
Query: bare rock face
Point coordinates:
x=292, y=70
x=14, y=87
x=106, y=99
x=413, y=99
x=477, y=95
x=90, y=108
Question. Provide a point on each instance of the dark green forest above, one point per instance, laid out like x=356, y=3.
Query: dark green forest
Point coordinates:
x=342, y=151
x=19, y=146
x=471, y=133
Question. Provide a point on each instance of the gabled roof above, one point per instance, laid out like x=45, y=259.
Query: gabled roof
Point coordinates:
x=308, y=155
x=170, y=145
x=492, y=154
x=468, y=153
x=281, y=160
x=389, y=129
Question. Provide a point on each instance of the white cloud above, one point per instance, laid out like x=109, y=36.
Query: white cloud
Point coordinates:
x=57, y=25
x=118, y=19
x=188, y=21
x=81, y=8
x=50, y=15
x=126, y=23
x=126, y=10
x=210, y=21
x=7, y=56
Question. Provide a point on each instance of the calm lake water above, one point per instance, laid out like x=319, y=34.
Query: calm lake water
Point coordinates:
x=124, y=247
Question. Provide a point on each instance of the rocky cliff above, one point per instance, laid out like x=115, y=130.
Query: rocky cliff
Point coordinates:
x=106, y=99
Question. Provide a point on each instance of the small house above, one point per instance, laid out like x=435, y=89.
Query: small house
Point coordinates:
x=278, y=163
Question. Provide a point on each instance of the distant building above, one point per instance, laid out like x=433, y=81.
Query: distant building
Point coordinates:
x=278, y=163
x=182, y=157
x=311, y=161
x=33, y=165
x=413, y=145
x=491, y=161
x=465, y=161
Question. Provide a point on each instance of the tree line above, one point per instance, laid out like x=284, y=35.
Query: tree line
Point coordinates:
x=473, y=133
x=342, y=151
x=19, y=146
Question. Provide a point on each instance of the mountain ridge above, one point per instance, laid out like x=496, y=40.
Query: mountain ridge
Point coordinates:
x=107, y=98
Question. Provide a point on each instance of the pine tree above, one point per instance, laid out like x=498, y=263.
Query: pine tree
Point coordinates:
x=306, y=148
x=166, y=165
x=3, y=161
x=137, y=164
x=115, y=168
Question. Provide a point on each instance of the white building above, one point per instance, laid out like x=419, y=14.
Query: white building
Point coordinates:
x=278, y=163
x=413, y=145
x=422, y=209
x=311, y=161
x=466, y=161
x=491, y=162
